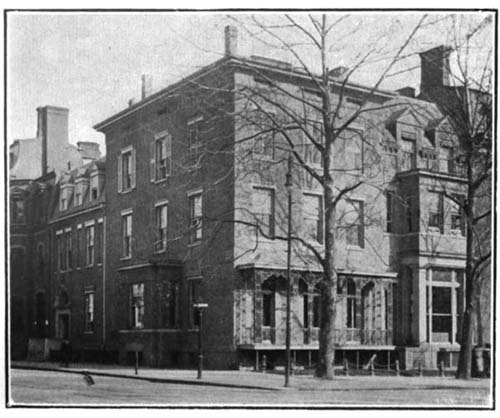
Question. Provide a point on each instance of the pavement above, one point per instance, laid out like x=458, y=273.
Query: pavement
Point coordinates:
x=261, y=381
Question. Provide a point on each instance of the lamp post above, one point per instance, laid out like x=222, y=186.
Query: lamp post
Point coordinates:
x=288, y=185
x=200, y=307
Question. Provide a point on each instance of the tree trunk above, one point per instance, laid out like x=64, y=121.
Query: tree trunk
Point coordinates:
x=479, y=319
x=325, y=366
x=466, y=345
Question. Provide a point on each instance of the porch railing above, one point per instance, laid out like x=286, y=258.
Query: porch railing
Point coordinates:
x=311, y=336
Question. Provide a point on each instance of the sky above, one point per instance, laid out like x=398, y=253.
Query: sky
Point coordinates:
x=92, y=63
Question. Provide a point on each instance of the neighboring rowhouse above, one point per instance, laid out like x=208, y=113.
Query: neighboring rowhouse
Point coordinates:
x=51, y=201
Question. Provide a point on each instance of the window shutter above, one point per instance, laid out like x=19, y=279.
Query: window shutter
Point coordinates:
x=133, y=168
x=152, y=163
x=120, y=172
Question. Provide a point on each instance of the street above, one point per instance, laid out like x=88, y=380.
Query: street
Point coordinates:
x=39, y=387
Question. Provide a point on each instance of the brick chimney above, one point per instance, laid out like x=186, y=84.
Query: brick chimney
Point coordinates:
x=52, y=130
x=146, y=85
x=435, y=68
x=231, y=41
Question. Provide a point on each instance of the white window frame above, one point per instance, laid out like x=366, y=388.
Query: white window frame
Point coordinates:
x=195, y=222
x=159, y=206
x=121, y=181
x=128, y=213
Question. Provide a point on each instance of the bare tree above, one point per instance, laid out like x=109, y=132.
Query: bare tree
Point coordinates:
x=312, y=122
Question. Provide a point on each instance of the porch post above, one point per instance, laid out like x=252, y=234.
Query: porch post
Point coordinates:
x=453, y=306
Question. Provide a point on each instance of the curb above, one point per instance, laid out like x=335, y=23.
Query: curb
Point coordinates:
x=145, y=378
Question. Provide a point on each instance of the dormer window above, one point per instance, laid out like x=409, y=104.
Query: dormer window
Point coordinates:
x=63, y=200
x=408, y=153
x=78, y=196
x=94, y=187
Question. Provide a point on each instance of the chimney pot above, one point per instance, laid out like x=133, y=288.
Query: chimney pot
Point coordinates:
x=231, y=41
x=146, y=85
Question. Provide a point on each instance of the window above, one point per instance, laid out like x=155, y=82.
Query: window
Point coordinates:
x=89, y=245
x=436, y=215
x=312, y=155
x=268, y=302
x=355, y=233
x=127, y=235
x=408, y=154
x=304, y=302
x=161, y=227
x=316, y=311
x=194, y=297
x=137, y=305
x=79, y=247
x=446, y=159
x=389, y=211
x=63, y=200
x=171, y=312
x=265, y=145
x=313, y=217
x=94, y=187
x=89, y=311
x=17, y=211
x=194, y=140
x=100, y=242
x=162, y=157
x=351, y=321
x=78, y=196
x=126, y=170
x=69, y=250
x=457, y=218
x=195, y=217
x=61, y=259
x=441, y=313
x=263, y=210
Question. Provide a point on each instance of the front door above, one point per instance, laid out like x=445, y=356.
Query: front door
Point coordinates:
x=62, y=325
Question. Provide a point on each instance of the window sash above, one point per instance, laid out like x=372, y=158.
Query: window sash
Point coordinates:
x=161, y=227
x=263, y=209
x=195, y=221
x=89, y=240
x=126, y=235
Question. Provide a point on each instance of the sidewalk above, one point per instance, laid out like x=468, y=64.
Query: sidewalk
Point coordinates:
x=262, y=381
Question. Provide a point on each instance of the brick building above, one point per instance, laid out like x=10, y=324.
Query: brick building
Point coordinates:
x=194, y=208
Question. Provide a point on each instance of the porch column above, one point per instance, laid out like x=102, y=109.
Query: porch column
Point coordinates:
x=257, y=307
x=453, y=306
x=428, y=319
x=389, y=313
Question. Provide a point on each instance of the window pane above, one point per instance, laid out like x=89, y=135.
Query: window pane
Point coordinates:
x=441, y=300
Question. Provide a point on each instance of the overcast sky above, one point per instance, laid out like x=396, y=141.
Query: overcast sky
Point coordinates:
x=91, y=63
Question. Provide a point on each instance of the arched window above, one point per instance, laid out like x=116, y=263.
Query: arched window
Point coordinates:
x=351, y=321
x=303, y=303
x=268, y=301
x=369, y=316
x=316, y=311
